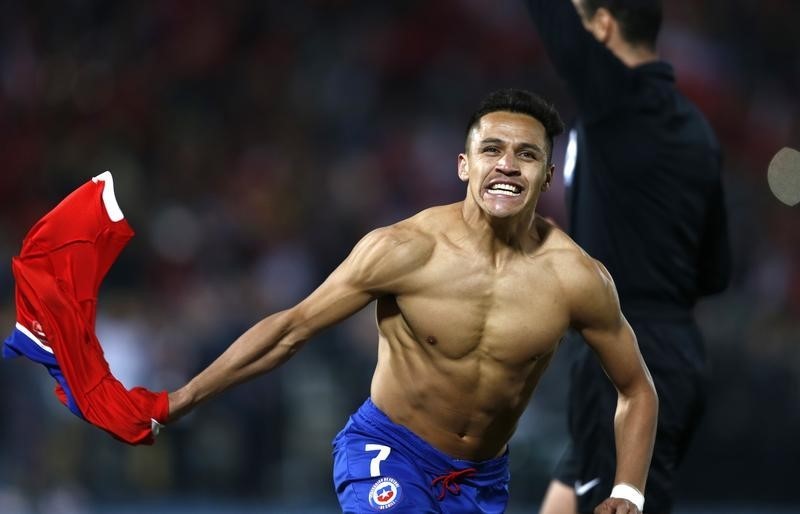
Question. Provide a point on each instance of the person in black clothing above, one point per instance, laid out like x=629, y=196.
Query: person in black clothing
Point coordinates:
x=645, y=197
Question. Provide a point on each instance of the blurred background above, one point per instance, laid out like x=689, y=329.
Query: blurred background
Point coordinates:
x=254, y=142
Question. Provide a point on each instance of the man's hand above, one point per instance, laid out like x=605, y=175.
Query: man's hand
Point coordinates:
x=616, y=506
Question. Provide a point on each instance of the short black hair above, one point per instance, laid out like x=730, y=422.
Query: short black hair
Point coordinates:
x=523, y=102
x=639, y=20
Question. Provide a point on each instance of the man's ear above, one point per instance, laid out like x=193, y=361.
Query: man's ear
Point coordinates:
x=548, y=177
x=603, y=25
x=463, y=168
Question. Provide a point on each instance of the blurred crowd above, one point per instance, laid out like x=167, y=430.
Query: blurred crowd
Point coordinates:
x=253, y=143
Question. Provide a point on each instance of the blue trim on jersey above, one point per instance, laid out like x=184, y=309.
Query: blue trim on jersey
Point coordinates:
x=413, y=464
x=19, y=344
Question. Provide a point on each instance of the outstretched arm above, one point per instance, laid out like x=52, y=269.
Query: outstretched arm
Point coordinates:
x=598, y=317
x=596, y=78
x=374, y=267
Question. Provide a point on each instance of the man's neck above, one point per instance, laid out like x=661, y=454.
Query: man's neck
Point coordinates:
x=633, y=56
x=499, y=234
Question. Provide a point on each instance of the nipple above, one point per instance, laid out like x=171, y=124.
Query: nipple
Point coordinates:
x=430, y=340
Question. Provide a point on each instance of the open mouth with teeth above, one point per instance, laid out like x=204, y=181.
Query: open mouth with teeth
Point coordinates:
x=503, y=189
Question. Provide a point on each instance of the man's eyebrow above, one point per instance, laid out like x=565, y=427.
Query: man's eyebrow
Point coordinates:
x=492, y=140
x=531, y=146
x=524, y=146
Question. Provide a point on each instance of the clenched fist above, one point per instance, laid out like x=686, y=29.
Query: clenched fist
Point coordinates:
x=616, y=506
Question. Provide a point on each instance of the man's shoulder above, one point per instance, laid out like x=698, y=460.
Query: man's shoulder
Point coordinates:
x=434, y=218
x=423, y=228
x=573, y=264
x=417, y=230
x=577, y=271
x=384, y=257
x=409, y=242
x=584, y=282
x=556, y=245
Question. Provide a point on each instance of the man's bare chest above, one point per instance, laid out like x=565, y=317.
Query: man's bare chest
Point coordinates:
x=511, y=314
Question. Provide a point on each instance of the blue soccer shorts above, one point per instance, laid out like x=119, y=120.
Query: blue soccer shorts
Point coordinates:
x=382, y=466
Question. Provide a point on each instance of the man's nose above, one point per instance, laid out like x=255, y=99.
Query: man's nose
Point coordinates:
x=508, y=164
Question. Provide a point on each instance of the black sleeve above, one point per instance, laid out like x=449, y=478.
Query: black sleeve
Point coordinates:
x=715, y=253
x=596, y=77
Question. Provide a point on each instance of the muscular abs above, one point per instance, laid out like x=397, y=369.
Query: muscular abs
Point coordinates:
x=462, y=350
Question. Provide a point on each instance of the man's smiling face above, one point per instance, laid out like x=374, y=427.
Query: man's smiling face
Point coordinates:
x=506, y=165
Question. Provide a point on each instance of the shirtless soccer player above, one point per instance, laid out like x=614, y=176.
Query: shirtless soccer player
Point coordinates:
x=472, y=300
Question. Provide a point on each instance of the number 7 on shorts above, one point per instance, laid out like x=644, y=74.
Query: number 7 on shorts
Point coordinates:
x=375, y=463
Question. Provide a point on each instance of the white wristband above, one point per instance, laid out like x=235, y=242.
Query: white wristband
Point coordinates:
x=630, y=493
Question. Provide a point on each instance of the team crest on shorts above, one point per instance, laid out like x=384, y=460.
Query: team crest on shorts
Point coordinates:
x=385, y=494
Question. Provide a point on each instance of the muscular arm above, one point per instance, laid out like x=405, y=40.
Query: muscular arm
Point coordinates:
x=596, y=77
x=376, y=266
x=597, y=315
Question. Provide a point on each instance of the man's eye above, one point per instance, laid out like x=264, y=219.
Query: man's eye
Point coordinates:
x=491, y=149
x=527, y=155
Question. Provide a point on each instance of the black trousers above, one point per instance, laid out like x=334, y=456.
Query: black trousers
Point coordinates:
x=674, y=353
